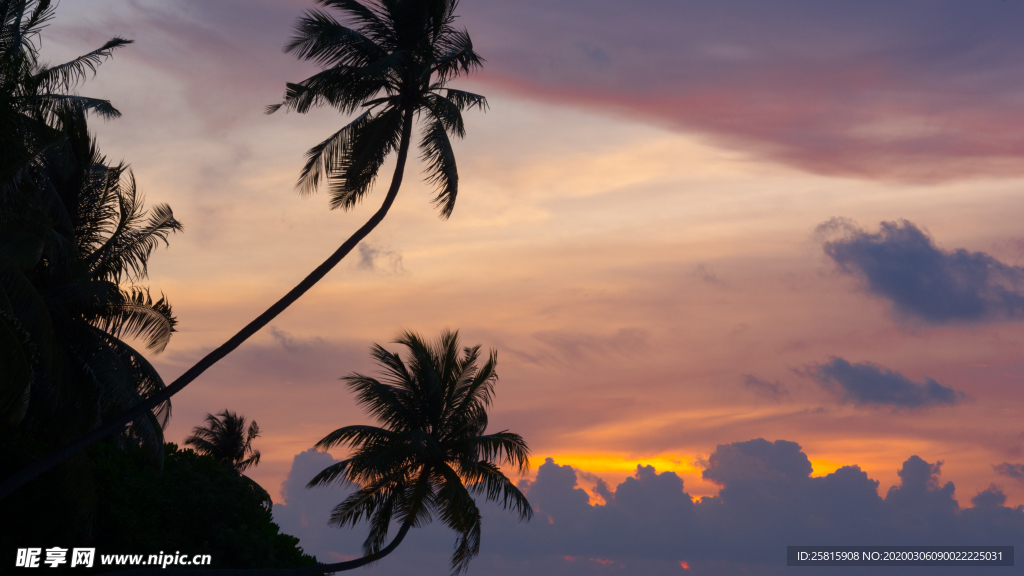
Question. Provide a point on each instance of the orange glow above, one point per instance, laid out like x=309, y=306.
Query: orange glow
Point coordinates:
x=598, y=463
x=824, y=467
x=685, y=565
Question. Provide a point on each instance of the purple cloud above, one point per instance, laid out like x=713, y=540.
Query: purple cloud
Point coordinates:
x=649, y=524
x=923, y=282
x=866, y=384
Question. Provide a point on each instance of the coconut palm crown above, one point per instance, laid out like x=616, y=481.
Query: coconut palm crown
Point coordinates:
x=392, y=59
x=431, y=454
x=226, y=438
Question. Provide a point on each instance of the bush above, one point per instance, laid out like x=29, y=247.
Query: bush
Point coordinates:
x=125, y=505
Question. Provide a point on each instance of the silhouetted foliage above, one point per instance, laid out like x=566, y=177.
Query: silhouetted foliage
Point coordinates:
x=195, y=505
x=431, y=455
x=395, y=59
x=75, y=240
x=226, y=438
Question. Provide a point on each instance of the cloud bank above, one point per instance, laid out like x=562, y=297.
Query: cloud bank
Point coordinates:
x=913, y=89
x=920, y=90
x=923, y=282
x=649, y=525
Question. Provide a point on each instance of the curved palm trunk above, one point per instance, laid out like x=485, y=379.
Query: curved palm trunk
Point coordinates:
x=22, y=476
x=304, y=571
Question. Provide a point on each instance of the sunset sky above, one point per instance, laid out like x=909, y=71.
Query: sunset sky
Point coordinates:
x=682, y=225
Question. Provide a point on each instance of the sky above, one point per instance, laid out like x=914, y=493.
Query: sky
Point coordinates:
x=753, y=271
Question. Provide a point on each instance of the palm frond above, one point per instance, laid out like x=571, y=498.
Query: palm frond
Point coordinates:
x=322, y=39
x=356, y=435
x=441, y=169
x=369, y=22
x=371, y=143
x=487, y=479
x=466, y=100
x=145, y=380
x=327, y=156
x=135, y=314
x=504, y=447
x=66, y=76
x=226, y=439
x=447, y=113
x=386, y=402
x=56, y=105
x=457, y=56
x=330, y=475
x=458, y=511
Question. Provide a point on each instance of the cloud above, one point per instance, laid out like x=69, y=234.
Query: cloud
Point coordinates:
x=707, y=276
x=1015, y=471
x=283, y=358
x=575, y=346
x=771, y=390
x=648, y=524
x=864, y=89
x=868, y=384
x=923, y=282
x=993, y=497
x=380, y=260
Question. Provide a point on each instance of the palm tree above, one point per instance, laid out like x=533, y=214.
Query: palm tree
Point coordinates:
x=75, y=296
x=34, y=98
x=394, y=58
x=427, y=459
x=226, y=438
x=430, y=454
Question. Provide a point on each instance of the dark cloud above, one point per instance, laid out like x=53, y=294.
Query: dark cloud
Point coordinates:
x=923, y=282
x=648, y=524
x=867, y=384
x=1015, y=471
x=993, y=497
x=771, y=390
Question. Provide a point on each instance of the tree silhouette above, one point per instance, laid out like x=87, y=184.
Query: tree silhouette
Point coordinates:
x=226, y=438
x=430, y=454
x=427, y=459
x=394, y=58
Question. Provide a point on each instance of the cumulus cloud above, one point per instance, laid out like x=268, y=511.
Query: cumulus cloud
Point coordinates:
x=649, y=525
x=902, y=265
x=867, y=384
